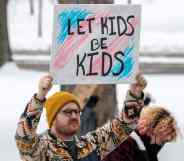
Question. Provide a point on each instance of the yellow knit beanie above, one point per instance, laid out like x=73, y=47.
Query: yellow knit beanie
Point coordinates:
x=57, y=101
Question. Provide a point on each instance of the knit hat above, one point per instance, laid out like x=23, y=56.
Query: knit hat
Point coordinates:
x=57, y=101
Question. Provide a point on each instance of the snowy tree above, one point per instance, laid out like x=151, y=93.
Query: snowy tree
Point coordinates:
x=40, y=9
x=31, y=3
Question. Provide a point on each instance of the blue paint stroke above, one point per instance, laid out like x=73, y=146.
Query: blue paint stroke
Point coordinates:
x=73, y=15
x=128, y=63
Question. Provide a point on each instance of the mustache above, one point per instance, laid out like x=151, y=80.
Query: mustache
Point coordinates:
x=74, y=120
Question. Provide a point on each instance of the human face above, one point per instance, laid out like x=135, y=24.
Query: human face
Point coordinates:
x=67, y=121
x=143, y=125
x=136, y=89
x=139, y=88
x=144, y=122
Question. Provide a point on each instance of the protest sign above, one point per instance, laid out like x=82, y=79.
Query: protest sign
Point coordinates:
x=95, y=44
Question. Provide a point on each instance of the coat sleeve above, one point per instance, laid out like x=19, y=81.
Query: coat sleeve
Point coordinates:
x=152, y=149
x=27, y=140
x=124, y=152
x=109, y=136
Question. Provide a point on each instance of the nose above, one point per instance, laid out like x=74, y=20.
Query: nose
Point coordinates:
x=74, y=114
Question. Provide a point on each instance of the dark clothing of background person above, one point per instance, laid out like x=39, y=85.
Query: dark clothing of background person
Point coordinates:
x=152, y=149
x=130, y=151
x=88, y=116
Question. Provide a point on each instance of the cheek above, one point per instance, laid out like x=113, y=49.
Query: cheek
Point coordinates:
x=139, y=89
x=143, y=125
x=79, y=121
x=61, y=122
x=74, y=122
x=142, y=122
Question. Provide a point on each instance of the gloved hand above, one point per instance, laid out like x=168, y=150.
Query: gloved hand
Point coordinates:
x=132, y=109
x=130, y=113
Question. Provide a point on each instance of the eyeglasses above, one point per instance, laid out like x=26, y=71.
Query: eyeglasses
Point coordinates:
x=69, y=112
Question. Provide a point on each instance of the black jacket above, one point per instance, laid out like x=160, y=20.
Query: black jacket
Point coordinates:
x=152, y=149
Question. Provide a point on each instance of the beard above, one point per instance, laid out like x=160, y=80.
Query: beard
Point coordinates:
x=69, y=130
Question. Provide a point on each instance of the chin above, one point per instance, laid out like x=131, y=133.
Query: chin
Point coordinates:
x=73, y=132
x=142, y=132
x=74, y=128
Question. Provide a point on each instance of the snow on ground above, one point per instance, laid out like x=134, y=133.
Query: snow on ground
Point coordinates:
x=161, y=26
x=17, y=86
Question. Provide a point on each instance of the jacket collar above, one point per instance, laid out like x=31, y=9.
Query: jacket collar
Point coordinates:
x=80, y=143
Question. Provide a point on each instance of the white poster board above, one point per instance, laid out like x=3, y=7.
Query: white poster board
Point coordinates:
x=95, y=44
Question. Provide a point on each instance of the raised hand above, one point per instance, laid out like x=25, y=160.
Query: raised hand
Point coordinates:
x=44, y=86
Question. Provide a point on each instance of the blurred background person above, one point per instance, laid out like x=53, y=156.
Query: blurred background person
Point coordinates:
x=156, y=127
x=88, y=116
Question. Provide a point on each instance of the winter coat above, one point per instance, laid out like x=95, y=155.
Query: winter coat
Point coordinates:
x=145, y=97
x=47, y=147
x=134, y=149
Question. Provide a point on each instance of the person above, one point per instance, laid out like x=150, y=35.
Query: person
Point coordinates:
x=88, y=116
x=60, y=141
x=135, y=101
x=136, y=91
x=156, y=126
x=136, y=96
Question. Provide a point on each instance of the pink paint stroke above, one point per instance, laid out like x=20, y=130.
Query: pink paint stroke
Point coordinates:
x=67, y=50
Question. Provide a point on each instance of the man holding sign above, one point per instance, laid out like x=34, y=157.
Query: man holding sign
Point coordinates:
x=60, y=142
x=91, y=44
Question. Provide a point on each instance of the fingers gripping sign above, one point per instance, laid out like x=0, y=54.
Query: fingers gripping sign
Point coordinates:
x=44, y=86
